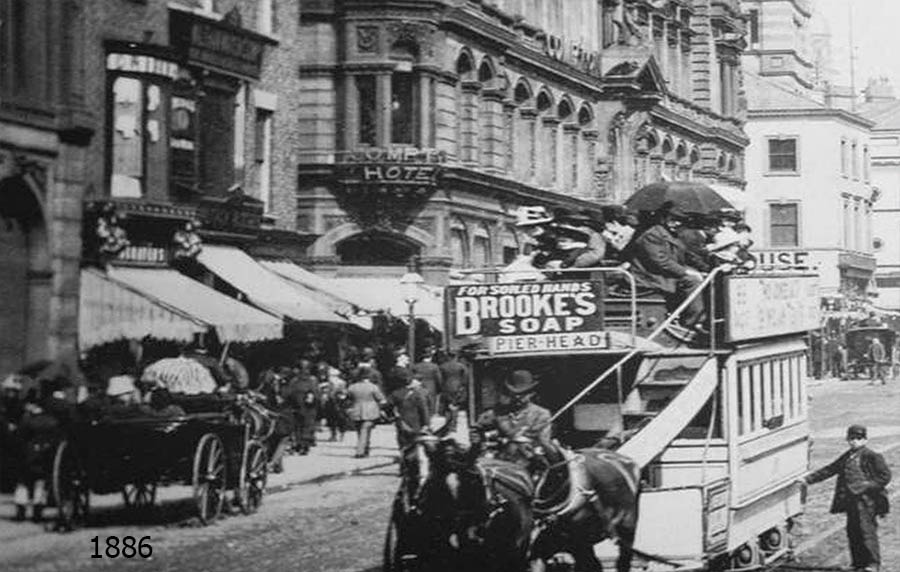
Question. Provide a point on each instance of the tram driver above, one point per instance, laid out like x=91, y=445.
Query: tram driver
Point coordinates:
x=522, y=427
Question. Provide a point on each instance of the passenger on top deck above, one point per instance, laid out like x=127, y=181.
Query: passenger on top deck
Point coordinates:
x=696, y=234
x=658, y=263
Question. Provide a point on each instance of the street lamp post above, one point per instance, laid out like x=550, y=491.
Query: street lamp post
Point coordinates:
x=410, y=282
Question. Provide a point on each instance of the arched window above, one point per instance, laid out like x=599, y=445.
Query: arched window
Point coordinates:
x=546, y=140
x=376, y=248
x=568, y=135
x=467, y=98
x=459, y=244
x=490, y=113
x=524, y=159
x=481, y=247
x=509, y=243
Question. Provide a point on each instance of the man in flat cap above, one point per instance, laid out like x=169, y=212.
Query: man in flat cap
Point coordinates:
x=519, y=420
x=862, y=476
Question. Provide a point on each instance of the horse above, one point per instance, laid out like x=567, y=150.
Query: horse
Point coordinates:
x=588, y=497
x=457, y=512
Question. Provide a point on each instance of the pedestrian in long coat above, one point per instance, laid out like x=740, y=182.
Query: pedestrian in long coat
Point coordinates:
x=366, y=401
x=429, y=374
x=411, y=404
x=302, y=395
x=878, y=356
x=862, y=476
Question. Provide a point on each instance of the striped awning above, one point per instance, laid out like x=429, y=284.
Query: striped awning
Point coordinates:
x=233, y=321
x=263, y=287
x=109, y=310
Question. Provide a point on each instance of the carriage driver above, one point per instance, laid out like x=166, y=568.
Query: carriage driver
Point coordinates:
x=523, y=423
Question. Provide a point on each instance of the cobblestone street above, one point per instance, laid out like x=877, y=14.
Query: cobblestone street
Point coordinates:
x=328, y=512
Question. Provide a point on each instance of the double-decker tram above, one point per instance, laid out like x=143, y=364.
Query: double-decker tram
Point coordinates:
x=718, y=424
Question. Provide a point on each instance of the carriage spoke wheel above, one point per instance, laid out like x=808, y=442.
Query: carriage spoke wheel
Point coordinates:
x=254, y=475
x=70, y=487
x=139, y=496
x=209, y=477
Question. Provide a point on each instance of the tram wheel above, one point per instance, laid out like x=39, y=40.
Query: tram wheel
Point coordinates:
x=70, y=487
x=209, y=477
x=253, y=478
x=747, y=556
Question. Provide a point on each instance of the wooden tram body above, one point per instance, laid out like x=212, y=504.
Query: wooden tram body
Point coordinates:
x=721, y=431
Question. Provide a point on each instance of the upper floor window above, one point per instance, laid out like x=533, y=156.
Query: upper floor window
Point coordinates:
x=783, y=155
x=263, y=152
x=265, y=16
x=854, y=155
x=866, y=163
x=403, y=113
x=138, y=133
x=845, y=158
x=753, y=25
x=784, y=225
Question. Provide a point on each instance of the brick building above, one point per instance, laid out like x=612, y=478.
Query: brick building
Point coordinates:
x=425, y=124
x=188, y=105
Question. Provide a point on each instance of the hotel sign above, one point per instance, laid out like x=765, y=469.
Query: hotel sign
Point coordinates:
x=402, y=165
x=560, y=316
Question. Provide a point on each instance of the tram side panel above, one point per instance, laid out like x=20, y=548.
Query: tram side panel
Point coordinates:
x=768, y=435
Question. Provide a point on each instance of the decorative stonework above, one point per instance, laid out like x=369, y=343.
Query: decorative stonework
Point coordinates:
x=367, y=39
x=426, y=223
x=414, y=33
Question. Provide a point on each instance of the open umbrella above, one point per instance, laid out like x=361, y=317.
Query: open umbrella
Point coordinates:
x=688, y=196
x=180, y=375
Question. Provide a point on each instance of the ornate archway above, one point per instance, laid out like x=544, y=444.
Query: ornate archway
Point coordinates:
x=25, y=275
x=376, y=248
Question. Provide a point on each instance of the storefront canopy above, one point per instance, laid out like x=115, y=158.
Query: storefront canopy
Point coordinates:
x=110, y=310
x=389, y=295
x=265, y=288
x=232, y=320
x=326, y=290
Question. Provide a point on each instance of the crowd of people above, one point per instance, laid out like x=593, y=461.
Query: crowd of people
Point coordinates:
x=667, y=250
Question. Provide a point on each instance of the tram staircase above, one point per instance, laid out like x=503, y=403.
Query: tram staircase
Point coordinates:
x=670, y=390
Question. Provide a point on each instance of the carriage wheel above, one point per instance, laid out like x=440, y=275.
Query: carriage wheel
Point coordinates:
x=139, y=496
x=70, y=487
x=209, y=477
x=254, y=475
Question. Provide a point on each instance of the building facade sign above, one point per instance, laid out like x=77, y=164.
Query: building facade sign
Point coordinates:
x=404, y=165
x=771, y=305
x=217, y=45
x=798, y=259
x=142, y=64
x=561, y=316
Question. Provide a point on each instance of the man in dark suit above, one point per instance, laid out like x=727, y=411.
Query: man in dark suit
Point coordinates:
x=658, y=263
x=411, y=404
x=454, y=391
x=428, y=372
x=862, y=476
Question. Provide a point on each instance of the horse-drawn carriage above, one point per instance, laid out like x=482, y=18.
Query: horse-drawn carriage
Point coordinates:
x=217, y=446
x=716, y=429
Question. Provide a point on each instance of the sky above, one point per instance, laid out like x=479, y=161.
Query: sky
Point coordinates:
x=876, y=34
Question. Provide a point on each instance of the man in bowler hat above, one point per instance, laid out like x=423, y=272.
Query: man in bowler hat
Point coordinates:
x=862, y=476
x=519, y=417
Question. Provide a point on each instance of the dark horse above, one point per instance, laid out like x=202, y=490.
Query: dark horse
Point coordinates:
x=480, y=514
x=454, y=512
x=591, y=496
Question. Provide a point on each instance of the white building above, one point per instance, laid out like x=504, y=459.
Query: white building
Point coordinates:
x=809, y=189
x=884, y=109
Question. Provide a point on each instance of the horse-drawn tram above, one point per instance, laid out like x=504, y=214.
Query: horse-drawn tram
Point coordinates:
x=703, y=440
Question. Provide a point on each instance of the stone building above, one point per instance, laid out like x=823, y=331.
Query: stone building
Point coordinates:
x=46, y=126
x=425, y=124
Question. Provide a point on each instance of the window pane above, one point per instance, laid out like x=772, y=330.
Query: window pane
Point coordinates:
x=183, y=142
x=127, y=138
x=783, y=221
x=458, y=247
x=782, y=154
x=217, y=140
x=402, y=112
x=365, y=90
x=481, y=253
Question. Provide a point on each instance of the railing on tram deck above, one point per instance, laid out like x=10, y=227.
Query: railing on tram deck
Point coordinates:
x=708, y=281
x=495, y=272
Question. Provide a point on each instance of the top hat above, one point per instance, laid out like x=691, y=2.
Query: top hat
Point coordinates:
x=521, y=381
x=531, y=216
x=856, y=431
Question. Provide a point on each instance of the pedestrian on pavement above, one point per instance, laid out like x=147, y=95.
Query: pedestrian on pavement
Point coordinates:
x=862, y=476
x=302, y=395
x=400, y=373
x=895, y=359
x=368, y=362
x=878, y=358
x=430, y=375
x=366, y=401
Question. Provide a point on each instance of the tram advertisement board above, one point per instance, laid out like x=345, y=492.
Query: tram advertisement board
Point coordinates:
x=762, y=305
x=526, y=317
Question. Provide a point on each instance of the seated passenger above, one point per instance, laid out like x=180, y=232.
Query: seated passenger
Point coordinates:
x=727, y=249
x=572, y=249
x=125, y=397
x=658, y=263
x=619, y=227
x=161, y=404
x=696, y=234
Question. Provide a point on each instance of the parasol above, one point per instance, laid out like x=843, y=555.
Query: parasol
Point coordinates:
x=180, y=375
x=688, y=196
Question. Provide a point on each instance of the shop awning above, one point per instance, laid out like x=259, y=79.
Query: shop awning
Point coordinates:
x=232, y=320
x=389, y=295
x=325, y=290
x=109, y=310
x=263, y=287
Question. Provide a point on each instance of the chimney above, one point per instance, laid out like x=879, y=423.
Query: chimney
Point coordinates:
x=879, y=89
x=839, y=97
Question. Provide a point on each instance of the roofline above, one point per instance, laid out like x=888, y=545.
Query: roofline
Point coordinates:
x=812, y=112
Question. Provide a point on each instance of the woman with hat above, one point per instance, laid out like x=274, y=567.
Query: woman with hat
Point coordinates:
x=517, y=418
x=859, y=492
